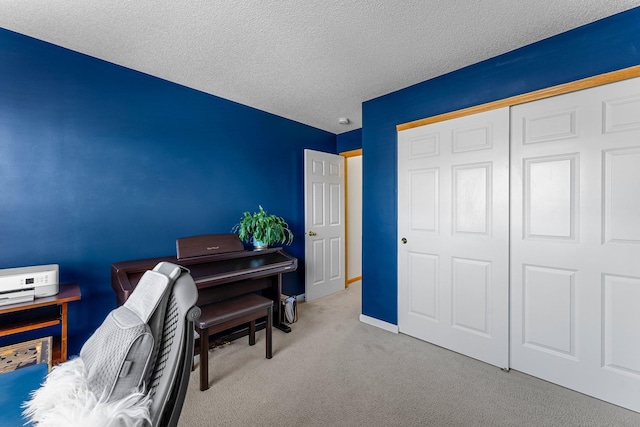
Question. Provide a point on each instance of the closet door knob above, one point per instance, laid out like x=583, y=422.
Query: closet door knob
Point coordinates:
x=404, y=240
x=312, y=233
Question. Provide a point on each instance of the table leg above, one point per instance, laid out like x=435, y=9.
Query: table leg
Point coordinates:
x=268, y=332
x=63, y=333
x=204, y=358
x=252, y=332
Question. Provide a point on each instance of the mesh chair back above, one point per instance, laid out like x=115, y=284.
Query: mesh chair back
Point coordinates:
x=168, y=384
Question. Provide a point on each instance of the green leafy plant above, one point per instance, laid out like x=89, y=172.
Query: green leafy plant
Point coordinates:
x=260, y=226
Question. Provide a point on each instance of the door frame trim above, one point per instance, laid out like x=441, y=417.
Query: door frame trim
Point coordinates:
x=589, y=82
x=346, y=155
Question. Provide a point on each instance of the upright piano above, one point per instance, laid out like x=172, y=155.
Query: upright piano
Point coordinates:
x=221, y=268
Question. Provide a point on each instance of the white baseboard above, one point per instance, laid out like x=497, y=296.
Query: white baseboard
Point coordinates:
x=379, y=323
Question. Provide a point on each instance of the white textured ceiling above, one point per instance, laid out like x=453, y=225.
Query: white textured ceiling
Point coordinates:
x=309, y=61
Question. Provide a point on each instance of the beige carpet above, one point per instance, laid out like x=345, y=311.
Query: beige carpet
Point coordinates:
x=333, y=370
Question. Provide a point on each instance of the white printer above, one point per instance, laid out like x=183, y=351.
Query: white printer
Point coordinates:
x=23, y=284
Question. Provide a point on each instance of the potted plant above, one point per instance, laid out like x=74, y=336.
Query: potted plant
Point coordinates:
x=263, y=229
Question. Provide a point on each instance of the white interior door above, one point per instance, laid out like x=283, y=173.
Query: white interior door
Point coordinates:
x=324, y=223
x=575, y=239
x=453, y=216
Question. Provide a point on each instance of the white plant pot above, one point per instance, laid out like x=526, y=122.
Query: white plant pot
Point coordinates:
x=257, y=244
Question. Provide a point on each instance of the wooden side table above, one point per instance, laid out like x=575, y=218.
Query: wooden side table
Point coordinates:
x=42, y=313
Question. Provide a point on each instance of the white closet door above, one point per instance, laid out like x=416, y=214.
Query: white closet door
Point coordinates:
x=453, y=215
x=575, y=241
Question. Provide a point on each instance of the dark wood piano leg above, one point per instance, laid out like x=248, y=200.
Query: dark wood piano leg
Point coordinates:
x=276, y=300
x=282, y=327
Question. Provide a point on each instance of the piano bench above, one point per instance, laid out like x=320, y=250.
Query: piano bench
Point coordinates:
x=220, y=316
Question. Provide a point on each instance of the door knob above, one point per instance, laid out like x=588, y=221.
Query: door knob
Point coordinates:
x=404, y=240
x=311, y=233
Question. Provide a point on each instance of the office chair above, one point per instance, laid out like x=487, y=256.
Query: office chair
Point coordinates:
x=134, y=381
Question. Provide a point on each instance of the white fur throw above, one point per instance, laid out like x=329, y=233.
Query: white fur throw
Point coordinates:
x=65, y=400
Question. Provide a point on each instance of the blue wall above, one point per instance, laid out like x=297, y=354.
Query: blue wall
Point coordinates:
x=600, y=47
x=99, y=164
x=348, y=141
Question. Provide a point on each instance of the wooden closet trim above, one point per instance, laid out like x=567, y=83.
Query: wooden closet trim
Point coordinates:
x=589, y=82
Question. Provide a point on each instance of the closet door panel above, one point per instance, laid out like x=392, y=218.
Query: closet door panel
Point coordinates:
x=575, y=215
x=453, y=235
